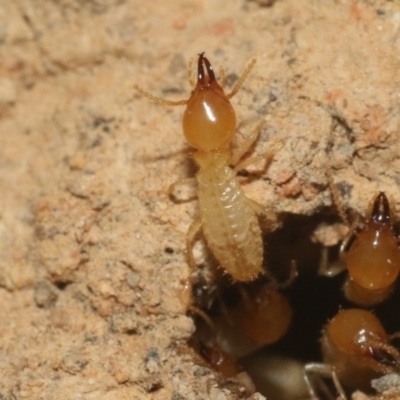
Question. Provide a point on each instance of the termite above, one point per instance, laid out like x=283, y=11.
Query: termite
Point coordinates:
x=242, y=318
x=227, y=217
x=260, y=318
x=356, y=349
x=249, y=317
x=371, y=254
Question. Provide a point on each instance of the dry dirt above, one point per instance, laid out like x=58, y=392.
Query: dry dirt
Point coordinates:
x=92, y=261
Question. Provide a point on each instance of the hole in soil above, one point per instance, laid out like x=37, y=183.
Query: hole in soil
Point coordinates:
x=238, y=320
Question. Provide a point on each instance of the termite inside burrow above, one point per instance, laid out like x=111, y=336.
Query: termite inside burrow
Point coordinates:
x=237, y=320
x=370, y=252
x=356, y=349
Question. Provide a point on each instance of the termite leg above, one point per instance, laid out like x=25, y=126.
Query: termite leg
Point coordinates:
x=322, y=370
x=393, y=336
x=203, y=315
x=181, y=182
x=194, y=229
x=345, y=243
x=291, y=277
x=327, y=268
x=266, y=157
x=269, y=215
x=311, y=368
x=338, y=386
x=332, y=269
x=238, y=153
x=271, y=222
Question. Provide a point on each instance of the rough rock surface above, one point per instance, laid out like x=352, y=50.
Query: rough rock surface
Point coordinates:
x=92, y=261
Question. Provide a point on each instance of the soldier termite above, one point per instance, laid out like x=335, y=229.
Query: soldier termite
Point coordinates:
x=370, y=252
x=371, y=255
x=356, y=349
x=227, y=217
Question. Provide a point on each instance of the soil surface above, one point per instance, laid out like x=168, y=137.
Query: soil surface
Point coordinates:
x=93, y=266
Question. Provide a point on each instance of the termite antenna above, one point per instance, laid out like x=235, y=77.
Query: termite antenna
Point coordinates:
x=239, y=83
x=197, y=311
x=331, y=183
x=336, y=197
x=159, y=100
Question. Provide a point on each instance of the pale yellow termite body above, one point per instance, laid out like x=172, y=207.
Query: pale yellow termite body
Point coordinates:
x=229, y=223
x=227, y=217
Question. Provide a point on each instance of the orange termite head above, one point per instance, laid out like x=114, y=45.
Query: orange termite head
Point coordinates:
x=209, y=121
x=373, y=261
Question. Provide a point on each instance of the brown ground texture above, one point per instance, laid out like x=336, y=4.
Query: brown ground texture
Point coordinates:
x=93, y=260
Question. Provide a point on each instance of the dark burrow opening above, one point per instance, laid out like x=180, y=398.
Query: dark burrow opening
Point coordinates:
x=277, y=368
